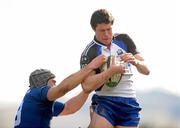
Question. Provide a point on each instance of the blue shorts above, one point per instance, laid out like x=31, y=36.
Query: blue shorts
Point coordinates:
x=119, y=111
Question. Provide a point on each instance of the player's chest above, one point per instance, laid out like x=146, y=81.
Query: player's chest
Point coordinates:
x=113, y=50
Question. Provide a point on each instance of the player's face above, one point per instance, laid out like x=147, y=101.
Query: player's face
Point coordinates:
x=52, y=82
x=104, y=34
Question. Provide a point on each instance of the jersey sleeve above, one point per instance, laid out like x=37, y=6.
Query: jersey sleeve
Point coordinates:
x=84, y=61
x=44, y=90
x=129, y=42
x=58, y=107
x=87, y=56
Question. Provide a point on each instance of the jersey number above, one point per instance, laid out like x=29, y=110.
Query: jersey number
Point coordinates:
x=18, y=115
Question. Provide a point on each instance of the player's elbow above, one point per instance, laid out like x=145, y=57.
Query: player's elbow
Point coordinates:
x=86, y=88
x=146, y=72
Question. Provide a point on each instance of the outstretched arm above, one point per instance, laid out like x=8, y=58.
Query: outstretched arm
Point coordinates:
x=94, y=81
x=75, y=79
x=75, y=103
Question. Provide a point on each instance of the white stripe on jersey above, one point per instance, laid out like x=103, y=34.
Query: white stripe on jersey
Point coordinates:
x=87, y=48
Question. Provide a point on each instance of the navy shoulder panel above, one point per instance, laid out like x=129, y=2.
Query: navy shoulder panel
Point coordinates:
x=88, y=54
x=128, y=41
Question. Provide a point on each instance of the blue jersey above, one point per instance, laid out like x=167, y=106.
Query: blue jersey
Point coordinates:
x=36, y=111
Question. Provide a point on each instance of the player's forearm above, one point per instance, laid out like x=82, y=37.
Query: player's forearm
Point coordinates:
x=140, y=64
x=75, y=79
x=68, y=83
x=75, y=103
x=95, y=81
x=142, y=68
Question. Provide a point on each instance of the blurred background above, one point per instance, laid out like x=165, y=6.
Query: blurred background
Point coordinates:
x=161, y=109
x=52, y=34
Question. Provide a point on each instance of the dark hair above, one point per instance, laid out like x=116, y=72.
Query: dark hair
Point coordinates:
x=101, y=16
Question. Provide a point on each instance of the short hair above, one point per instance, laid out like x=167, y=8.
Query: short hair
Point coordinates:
x=101, y=16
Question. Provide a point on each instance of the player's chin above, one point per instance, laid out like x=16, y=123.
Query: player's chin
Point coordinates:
x=107, y=42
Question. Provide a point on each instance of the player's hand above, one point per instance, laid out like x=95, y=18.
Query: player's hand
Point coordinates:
x=98, y=61
x=117, y=69
x=129, y=58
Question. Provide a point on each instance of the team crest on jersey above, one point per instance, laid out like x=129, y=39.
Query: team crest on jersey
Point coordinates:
x=119, y=52
x=84, y=61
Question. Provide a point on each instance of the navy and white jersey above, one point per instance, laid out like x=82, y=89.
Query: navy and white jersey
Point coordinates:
x=36, y=111
x=121, y=43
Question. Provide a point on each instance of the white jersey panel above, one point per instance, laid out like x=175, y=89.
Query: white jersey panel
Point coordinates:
x=125, y=86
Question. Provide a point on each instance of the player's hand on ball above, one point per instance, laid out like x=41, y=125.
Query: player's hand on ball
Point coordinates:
x=98, y=61
x=128, y=57
x=117, y=68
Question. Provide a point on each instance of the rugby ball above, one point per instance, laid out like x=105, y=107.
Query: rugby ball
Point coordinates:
x=114, y=80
